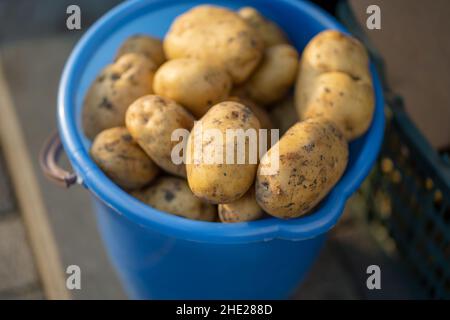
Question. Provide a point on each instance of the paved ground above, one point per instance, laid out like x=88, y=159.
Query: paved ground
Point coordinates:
x=33, y=66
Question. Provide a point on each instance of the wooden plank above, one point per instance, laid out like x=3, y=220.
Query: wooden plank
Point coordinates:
x=29, y=198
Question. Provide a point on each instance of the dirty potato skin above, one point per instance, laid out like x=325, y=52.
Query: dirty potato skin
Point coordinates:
x=332, y=50
x=114, y=89
x=334, y=81
x=263, y=116
x=312, y=157
x=243, y=209
x=151, y=121
x=266, y=29
x=172, y=195
x=264, y=119
x=216, y=35
x=195, y=84
x=349, y=103
x=274, y=76
x=220, y=182
x=150, y=47
x=122, y=160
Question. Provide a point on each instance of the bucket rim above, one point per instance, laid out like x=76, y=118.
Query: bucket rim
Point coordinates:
x=323, y=218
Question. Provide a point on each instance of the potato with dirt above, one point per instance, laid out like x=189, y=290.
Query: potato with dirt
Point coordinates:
x=334, y=81
x=220, y=167
x=148, y=46
x=333, y=50
x=122, y=160
x=271, y=34
x=172, y=195
x=216, y=35
x=274, y=76
x=349, y=103
x=195, y=84
x=152, y=120
x=263, y=116
x=243, y=209
x=114, y=89
x=311, y=156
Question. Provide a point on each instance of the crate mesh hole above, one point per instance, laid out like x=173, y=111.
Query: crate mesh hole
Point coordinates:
x=429, y=184
x=432, y=292
x=439, y=239
x=408, y=199
x=438, y=200
x=447, y=285
x=439, y=273
x=386, y=165
x=447, y=214
x=429, y=226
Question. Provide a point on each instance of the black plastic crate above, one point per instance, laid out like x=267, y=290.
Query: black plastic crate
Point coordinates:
x=408, y=191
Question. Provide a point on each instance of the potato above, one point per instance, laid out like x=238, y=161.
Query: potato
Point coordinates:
x=267, y=30
x=116, y=87
x=121, y=159
x=243, y=209
x=284, y=114
x=332, y=50
x=148, y=46
x=262, y=115
x=216, y=35
x=195, y=84
x=312, y=157
x=349, y=103
x=334, y=81
x=172, y=195
x=274, y=77
x=151, y=121
x=210, y=176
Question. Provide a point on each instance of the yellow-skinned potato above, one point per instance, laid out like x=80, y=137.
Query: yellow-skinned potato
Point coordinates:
x=274, y=77
x=243, y=209
x=216, y=35
x=148, y=46
x=121, y=159
x=349, y=103
x=284, y=114
x=195, y=84
x=263, y=116
x=267, y=30
x=151, y=121
x=332, y=50
x=312, y=157
x=211, y=178
x=116, y=87
x=172, y=195
x=334, y=81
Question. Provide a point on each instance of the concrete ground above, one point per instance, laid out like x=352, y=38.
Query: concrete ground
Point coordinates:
x=33, y=66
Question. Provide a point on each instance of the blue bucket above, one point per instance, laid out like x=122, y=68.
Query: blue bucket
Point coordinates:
x=162, y=256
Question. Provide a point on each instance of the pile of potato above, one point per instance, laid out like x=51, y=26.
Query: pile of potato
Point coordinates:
x=221, y=69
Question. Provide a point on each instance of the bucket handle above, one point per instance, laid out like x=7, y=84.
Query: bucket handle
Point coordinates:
x=48, y=160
